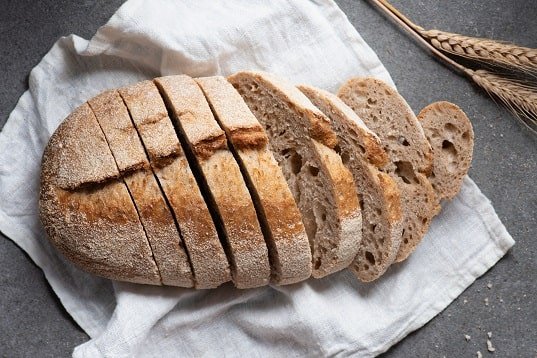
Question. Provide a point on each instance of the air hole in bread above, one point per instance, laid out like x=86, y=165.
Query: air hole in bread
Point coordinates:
x=450, y=128
x=466, y=135
x=402, y=140
x=373, y=227
x=345, y=158
x=337, y=148
x=296, y=163
x=371, y=101
x=370, y=257
x=451, y=155
x=313, y=171
x=406, y=172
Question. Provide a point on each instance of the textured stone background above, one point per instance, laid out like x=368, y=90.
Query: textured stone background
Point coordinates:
x=32, y=320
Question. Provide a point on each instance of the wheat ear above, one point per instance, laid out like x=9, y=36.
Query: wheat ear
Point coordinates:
x=486, y=50
x=518, y=96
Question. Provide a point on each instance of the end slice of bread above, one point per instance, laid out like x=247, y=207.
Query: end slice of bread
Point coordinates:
x=451, y=136
x=220, y=178
x=86, y=209
x=387, y=114
x=361, y=151
x=278, y=214
x=301, y=140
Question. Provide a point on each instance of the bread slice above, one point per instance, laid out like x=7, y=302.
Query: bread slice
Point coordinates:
x=132, y=163
x=207, y=258
x=86, y=210
x=387, y=114
x=301, y=140
x=220, y=178
x=284, y=232
x=362, y=152
x=451, y=136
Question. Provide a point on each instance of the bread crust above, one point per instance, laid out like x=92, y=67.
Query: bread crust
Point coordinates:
x=370, y=145
x=284, y=231
x=224, y=187
x=156, y=218
x=90, y=217
x=199, y=239
x=362, y=153
x=318, y=124
x=339, y=249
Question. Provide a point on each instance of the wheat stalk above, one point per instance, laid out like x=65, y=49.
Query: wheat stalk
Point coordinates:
x=519, y=96
x=486, y=50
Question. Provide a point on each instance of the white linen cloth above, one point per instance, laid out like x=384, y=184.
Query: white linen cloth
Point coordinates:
x=304, y=41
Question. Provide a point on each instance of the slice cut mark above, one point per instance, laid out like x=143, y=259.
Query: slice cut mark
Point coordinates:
x=301, y=140
x=132, y=163
x=220, y=178
x=381, y=207
x=86, y=210
x=451, y=136
x=387, y=114
x=285, y=236
x=204, y=253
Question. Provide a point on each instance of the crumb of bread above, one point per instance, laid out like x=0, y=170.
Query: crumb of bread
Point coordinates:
x=467, y=337
x=490, y=348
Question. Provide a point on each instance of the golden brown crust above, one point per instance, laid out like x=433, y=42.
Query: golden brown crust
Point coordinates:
x=121, y=135
x=331, y=105
x=95, y=225
x=156, y=218
x=71, y=149
x=284, y=232
x=205, y=135
x=180, y=187
x=151, y=118
x=319, y=124
x=247, y=251
x=392, y=196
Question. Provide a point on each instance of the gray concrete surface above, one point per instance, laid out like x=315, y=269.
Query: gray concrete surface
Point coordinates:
x=32, y=320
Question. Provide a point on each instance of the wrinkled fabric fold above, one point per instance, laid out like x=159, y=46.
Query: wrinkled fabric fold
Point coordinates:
x=305, y=41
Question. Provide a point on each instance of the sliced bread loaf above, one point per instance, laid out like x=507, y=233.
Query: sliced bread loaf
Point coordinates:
x=451, y=136
x=86, y=210
x=181, y=194
x=362, y=152
x=301, y=140
x=286, y=238
x=387, y=114
x=133, y=164
x=220, y=178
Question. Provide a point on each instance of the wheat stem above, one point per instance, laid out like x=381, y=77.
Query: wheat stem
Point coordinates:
x=412, y=29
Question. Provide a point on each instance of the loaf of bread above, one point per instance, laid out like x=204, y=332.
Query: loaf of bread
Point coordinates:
x=197, y=182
